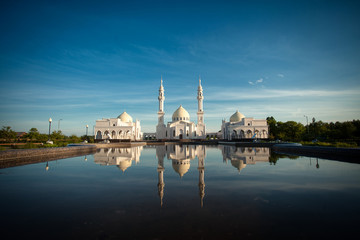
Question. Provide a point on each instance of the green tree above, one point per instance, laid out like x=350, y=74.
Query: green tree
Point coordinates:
x=57, y=135
x=7, y=133
x=273, y=128
x=33, y=134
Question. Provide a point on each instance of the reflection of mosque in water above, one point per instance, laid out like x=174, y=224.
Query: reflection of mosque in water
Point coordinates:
x=121, y=157
x=242, y=156
x=181, y=155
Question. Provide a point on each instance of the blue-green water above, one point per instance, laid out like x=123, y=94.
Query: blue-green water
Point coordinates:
x=174, y=192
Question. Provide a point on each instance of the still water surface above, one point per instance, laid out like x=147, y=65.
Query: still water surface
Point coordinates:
x=181, y=192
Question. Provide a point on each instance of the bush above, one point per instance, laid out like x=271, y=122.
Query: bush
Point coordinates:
x=327, y=144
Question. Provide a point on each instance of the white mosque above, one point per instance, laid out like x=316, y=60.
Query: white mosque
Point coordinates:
x=239, y=126
x=121, y=127
x=181, y=127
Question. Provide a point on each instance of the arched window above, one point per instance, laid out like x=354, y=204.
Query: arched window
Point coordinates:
x=174, y=133
x=195, y=135
x=98, y=135
x=187, y=133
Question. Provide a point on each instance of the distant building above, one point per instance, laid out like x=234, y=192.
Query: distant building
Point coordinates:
x=121, y=127
x=241, y=127
x=180, y=127
x=20, y=134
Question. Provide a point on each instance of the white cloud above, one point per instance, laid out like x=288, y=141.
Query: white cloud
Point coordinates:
x=280, y=75
x=256, y=82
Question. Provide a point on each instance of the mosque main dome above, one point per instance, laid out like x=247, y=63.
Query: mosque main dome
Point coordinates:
x=181, y=166
x=236, y=117
x=124, y=117
x=181, y=115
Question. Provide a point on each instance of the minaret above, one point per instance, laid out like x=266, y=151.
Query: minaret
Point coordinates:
x=160, y=128
x=200, y=113
x=200, y=98
x=161, y=96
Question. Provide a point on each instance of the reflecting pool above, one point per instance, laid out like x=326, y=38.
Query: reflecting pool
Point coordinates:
x=181, y=192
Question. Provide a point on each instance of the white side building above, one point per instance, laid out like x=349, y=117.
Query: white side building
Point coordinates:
x=121, y=127
x=241, y=127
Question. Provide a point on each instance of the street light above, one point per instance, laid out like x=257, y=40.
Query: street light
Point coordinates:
x=307, y=123
x=50, y=120
x=87, y=127
x=59, y=124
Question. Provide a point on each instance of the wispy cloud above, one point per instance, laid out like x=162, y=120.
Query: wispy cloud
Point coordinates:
x=256, y=82
x=234, y=94
x=280, y=75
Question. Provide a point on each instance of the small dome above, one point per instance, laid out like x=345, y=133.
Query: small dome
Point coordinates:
x=236, y=117
x=124, y=117
x=181, y=115
x=123, y=165
x=239, y=164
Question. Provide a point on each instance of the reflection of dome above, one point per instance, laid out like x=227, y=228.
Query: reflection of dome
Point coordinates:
x=180, y=114
x=181, y=167
x=124, y=117
x=239, y=164
x=123, y=165
x=236, y=117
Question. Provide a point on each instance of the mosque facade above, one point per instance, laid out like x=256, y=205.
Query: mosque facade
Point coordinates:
x=181, y=127
x=241, y=127
x=121, y=127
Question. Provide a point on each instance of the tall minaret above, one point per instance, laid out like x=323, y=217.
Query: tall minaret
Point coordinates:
x=200, y=114
x=161, y=96
x=200, y=98
x=160, y=128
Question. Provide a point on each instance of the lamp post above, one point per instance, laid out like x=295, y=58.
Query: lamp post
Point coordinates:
x=50, y=120
x=87, y=127
x=307, y=123
x=59, y=124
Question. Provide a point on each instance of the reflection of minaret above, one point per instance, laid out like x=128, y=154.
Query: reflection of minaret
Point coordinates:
x=201, y=168
x=160, y=153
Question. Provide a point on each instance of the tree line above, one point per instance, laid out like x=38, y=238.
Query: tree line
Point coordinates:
x=33, y=135
x=348, y=131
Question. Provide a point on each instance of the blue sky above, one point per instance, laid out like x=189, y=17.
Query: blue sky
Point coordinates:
x=80, y=61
